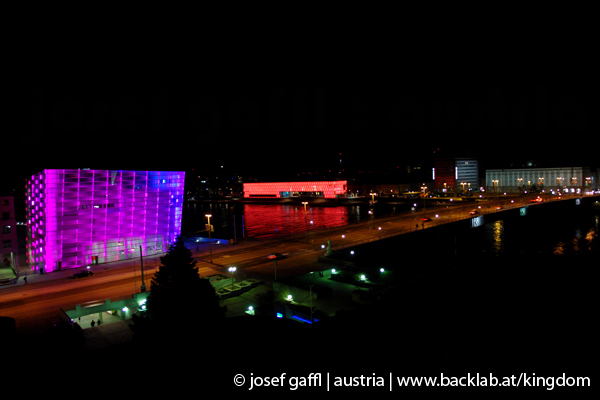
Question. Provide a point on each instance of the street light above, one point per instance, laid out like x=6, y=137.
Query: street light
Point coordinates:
x=372, y=194
x=232, y=270
x=209, y=238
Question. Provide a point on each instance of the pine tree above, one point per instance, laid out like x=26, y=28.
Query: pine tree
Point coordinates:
x=180, y=300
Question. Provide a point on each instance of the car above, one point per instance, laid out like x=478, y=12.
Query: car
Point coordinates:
x=474, y=211
x=83, y=274
x=425, y=219
x=277, y=256
x=499, y=208
x=537, y=200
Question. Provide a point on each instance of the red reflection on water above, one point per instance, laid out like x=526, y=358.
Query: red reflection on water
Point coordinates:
x=275, y=220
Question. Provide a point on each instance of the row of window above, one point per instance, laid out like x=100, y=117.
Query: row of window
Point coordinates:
x=86, y=206
x=77, y=260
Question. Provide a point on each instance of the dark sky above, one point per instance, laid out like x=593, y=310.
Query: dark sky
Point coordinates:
x=265, y=120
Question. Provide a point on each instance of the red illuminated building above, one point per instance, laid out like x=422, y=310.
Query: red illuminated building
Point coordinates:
x=444, y=174
x=327, y=189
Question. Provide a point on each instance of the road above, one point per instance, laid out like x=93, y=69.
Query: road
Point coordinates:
x=38, y=303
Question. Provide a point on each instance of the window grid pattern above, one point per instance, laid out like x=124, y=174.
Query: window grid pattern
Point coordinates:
x=77, y=216
x=541, y=178
x=326, y=189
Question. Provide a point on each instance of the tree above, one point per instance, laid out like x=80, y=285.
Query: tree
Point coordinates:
x=180, y=300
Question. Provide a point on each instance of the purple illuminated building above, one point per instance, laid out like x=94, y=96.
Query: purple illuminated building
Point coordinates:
x=83, y=217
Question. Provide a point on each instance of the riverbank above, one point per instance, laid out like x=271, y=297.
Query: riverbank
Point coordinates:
x=314, y=201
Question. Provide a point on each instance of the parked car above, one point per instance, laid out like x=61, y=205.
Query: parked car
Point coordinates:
x=83, y=274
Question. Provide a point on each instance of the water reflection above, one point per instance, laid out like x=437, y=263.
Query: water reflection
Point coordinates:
x=270, y=220
x=495, y=237
x=578, y=245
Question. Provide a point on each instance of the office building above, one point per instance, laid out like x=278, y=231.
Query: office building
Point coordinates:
x=567, y=179
x=82, y=217
x=8, y=231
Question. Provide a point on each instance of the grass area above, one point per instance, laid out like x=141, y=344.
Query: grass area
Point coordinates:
x=7, y=273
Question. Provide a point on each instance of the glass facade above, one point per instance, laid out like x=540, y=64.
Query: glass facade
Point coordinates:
x=325, y=189
x=80, y=217
x=524, y=179
x=467, y=173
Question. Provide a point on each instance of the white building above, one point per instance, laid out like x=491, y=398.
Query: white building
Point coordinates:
x=567, y=179
x=467, y=173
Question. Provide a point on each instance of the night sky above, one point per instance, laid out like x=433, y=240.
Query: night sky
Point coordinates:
x=273, y=124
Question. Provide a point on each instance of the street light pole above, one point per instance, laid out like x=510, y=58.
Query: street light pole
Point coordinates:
x=232, y=270
x=209, y=238
x=143, y=288
x=372, y=194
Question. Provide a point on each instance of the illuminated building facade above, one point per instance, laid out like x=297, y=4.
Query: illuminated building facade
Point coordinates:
x=82, y=217
x=567, y=179
x=325, y=189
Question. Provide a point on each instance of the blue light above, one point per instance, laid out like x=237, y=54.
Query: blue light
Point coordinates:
x=303, y=319
x=279, y=315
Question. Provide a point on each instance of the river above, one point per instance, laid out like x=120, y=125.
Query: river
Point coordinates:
x=275, y=220
x=572, y=233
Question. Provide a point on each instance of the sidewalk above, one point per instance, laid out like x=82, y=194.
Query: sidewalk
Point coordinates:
x=199, y=250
